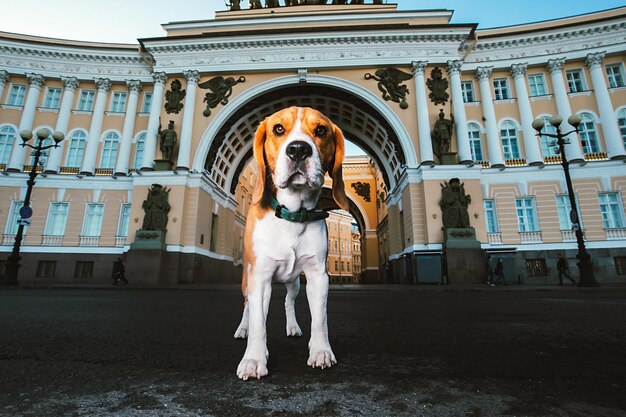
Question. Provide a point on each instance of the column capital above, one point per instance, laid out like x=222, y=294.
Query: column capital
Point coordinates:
x=595, y=60
x=555, y=65
x=418, y=67
x=70, y=83
x=159, y=78
x=4, y=77
x=103, y=85
x=192, y=76
x=454, y=66
x=483, y=73
x=519, y=70
x=134, y=86
x=35, y=80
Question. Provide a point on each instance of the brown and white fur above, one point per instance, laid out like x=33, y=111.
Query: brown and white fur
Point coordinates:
x=293, y=148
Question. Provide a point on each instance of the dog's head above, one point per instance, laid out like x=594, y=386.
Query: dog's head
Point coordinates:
x=294, y=148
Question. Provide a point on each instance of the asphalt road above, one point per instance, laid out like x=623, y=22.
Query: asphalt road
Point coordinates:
x=493, y=352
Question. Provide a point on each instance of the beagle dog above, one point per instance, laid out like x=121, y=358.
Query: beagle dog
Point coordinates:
x=285, y=234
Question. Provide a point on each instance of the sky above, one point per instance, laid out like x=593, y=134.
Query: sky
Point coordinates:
x=124, y=21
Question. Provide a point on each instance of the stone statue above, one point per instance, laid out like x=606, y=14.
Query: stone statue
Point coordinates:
x=174, y=97
x=168, y=141
x=235, y=5
x=442, y=134
x=454, y=203
x=389, y=83
x=220, y=90
x=156, y=207
x=438, y=87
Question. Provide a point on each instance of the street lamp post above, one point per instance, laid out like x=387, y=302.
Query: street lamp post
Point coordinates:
x=13, y=261
x=585, y=266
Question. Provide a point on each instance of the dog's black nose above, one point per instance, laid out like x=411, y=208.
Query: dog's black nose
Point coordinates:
x=299, y=151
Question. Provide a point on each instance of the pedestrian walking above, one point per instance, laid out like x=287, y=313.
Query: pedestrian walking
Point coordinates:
x=499, y=273
x=119, y=271
x=563, y=268
x=489, y=271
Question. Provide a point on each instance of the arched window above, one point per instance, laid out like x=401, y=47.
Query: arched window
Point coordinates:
x=7, y=137
x=139, y=146
x=510, y=144
x=109, y=150
x=621, y=120
x=76, y=148
x=476, y=148
x=548, y=144
x=589, y=134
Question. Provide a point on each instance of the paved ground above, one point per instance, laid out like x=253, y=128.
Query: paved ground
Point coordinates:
x=404, y=351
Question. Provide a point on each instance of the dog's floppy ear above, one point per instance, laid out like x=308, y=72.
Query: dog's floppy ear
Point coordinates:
x=339, y=190
x=259, y=157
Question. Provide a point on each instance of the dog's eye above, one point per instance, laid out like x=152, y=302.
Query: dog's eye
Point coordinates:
x=321, y=131
x=279, y=129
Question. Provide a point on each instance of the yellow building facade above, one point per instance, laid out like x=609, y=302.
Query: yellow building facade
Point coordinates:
x=112, y=101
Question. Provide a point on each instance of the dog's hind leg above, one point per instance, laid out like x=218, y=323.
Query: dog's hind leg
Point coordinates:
x=293, y=288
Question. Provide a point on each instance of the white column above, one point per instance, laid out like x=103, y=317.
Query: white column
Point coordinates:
x=494, y=146
x=91, y=152
x=423, y=121
x=531, y=141
x=4, y=78
x=612, y=136
x=573, y=150
x=123, y=156
x=36, y=81
x=70, y=84
x=184, y=149
x=150, y=144
x=458, y=106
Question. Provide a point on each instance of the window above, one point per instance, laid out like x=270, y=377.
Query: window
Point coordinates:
x=348, y=266
x=122, y=227
x=147, y=103
x=85, y=101
x=76, y=148
x=525, y=208
x=16, y=95
x=510, y=145
x=109, y=150
x=473, y=131
x=467, y=89
x=589, y=134
x=84, y=269
x=118, y=102
x=93, y=220
x=563, y=208
x=57, y=218
x=45, y=269
x=620, y=265
x=536, y=267
x=342, y=266
x=336, y=266
x=575, y=81
x=537, y=85
x=139, y=147
x=501, y=88
x=491, y=217
x=53, y=98
x=611, y=209
x=213, y=243
x=548, y=144
x=615, y=76
x=621, y=121
x=7, y=137
x=14, y=214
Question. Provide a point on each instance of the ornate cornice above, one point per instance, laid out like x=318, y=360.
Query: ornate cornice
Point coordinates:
x=418, y=67
x=134, y=86
x=4, y=77
x=594, y=60
x=556, y=65
x=103, y=85
x=483, y=73
x=519, y=70
x=454, y=67
x=70, y=83
x=35, y=80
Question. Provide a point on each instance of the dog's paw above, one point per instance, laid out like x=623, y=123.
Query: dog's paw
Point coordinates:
x=251, y=369
x=321, y=359
x=241, y=333
x=293, y=330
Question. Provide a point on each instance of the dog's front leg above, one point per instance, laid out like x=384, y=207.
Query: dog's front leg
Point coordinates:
x=320, y=353
x=254, y=362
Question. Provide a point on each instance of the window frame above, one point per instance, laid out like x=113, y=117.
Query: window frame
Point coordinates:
x=123, y=222
x=509, y=143
x=467, y=91
x=19, y=97
x=494, y=211
x=615, y=78
x=533, y=85
x=50, y=229
x=501, y=89
x=475, y=141
x=589, y=136
x=11, y=226
x=7, y=140
x=110, y=148
x=80, y=150
x=118, y=102
x=86, y=100
x=567, y=208
x=50, y=101
x=528, y=222
x=146, y=104
x=612, y=223
x=86, y=227
x=575, y=85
